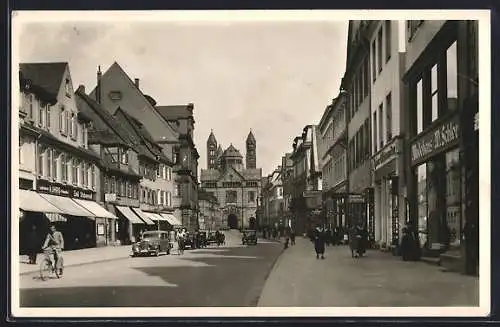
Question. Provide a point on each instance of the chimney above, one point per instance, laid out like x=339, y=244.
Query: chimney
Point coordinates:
x=98, y=88
x=136, y=82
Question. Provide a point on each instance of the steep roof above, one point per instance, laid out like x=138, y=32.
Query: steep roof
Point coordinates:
x=45, y=75
x=211, y=138
x=176, y=112
x=250, y=137
x=106, y=129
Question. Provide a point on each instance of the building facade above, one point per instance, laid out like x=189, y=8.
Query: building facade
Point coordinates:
x=441, y=77
x=236, y=187
x=58, y=172
x=287, y=179
x=334, y=171
x=115, y=89
x=356, y=82
x=186, y=156
x=306, y=199
x=210, y=217
x=387, y=100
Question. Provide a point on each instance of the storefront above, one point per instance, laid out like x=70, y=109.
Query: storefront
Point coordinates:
x=82, y=217
x=387, y=198
x=436, y=172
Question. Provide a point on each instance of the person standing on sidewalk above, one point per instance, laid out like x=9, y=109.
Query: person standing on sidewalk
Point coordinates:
x=319, y=242
x=33, y=245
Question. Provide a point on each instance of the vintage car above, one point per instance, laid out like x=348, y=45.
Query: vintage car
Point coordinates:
x=249, y=237
x=189, y=242
x=152, y=242
x=212, y=238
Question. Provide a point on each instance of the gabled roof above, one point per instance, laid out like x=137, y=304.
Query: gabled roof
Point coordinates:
x=106, y=129
x=209, y=175
x=150, y=102
x=122, y=118
x=252, y=174
x=45, y=75
x=176, y=112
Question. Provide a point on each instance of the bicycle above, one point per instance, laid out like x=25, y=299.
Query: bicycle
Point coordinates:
x=47, y=266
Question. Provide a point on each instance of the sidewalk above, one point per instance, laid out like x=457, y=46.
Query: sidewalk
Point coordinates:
x=79, y=257
x=379, y=279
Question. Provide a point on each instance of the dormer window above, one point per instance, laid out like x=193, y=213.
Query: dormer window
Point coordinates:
x=115, y=95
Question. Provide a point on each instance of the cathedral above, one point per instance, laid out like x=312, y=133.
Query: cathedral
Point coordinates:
x=236, y=185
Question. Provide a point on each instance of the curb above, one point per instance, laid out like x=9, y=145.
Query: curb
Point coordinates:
x=81, y=264
x=273, y=266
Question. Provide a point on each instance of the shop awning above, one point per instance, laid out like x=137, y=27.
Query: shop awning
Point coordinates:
x=67, y=205
x=155, y=216
x=143, y=216
x=32, y=201
x=172, y=220
x=95, y=208
x=132, y=217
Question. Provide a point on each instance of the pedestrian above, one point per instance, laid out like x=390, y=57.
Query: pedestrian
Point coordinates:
x=292, y=237
x=319, y=242
x=33, y=245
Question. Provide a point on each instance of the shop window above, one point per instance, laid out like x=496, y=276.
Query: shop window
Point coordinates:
x=422, y=202
x=453, y=197
x=451, y=73
x=388, y=113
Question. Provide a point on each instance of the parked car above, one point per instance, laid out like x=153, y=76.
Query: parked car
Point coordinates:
x=189, y=241
x=212, y=238
x=152, y=242
x=249, y=237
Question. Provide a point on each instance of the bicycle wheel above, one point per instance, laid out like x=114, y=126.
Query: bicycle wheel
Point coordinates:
x=45, y=269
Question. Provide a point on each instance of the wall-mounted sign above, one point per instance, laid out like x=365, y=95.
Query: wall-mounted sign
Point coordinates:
x=435, y=140
x=387, y=153
x=45, y=186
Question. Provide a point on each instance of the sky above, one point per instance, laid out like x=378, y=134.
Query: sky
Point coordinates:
x=271, y=77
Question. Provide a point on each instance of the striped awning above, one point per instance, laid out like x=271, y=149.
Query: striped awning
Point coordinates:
x=127, y=213
x=143, y=216
x=33, y=201
x=155, y=217
x=172, y=220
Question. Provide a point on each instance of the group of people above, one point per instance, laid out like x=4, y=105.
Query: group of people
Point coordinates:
x=357, y=239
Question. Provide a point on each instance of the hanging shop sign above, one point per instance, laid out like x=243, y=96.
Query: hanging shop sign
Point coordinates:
x=387, y=153
x=435, y=140
x=45, y=186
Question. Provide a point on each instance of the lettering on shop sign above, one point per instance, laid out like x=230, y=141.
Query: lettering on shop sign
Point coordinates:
x=435, y=140
x=64, y=190
x=387, y=153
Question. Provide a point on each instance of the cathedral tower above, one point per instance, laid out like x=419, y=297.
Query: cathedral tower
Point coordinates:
x=251, y=154
x=211, y=151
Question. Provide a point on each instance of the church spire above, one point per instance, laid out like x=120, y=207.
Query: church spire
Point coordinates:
x=251, y=155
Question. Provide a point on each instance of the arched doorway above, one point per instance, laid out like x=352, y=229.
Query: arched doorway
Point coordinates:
x=232, y=221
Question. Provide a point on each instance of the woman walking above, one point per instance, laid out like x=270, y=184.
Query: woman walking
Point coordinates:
x=319, y=242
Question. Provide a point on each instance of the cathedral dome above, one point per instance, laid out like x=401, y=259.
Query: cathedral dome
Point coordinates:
x=232, y=152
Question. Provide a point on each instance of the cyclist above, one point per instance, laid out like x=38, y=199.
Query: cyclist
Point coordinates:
x=55, y=242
